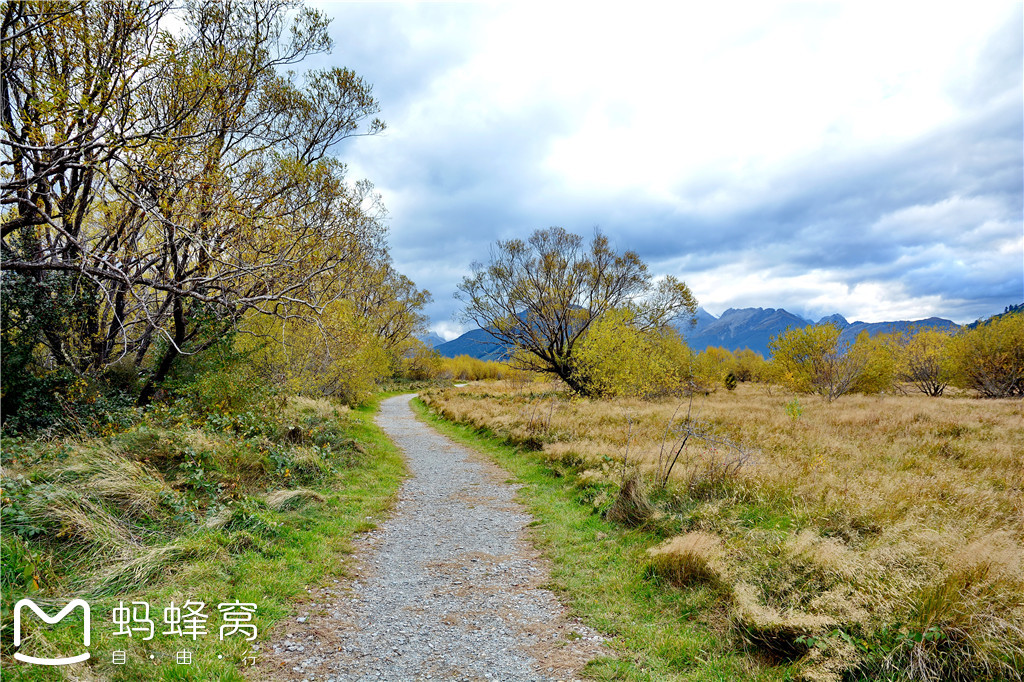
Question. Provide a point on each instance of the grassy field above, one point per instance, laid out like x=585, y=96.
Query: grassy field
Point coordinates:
x=220, y=508
x=868, y=538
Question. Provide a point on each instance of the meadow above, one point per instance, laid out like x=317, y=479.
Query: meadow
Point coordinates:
x=872, y=537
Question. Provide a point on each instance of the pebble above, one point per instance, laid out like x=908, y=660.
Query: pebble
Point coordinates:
x=449, y=587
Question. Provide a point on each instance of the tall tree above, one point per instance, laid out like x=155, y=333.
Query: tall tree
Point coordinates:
x=542, y=295
x=172, y=182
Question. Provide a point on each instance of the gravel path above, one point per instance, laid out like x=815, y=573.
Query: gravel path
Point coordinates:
x=447, y=588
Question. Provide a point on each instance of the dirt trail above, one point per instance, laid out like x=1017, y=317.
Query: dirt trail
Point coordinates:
x=447, y=588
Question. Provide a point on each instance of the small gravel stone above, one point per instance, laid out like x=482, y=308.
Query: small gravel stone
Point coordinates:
x=449, y=586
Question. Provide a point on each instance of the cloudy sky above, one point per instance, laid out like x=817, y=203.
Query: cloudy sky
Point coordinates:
x=863, y=158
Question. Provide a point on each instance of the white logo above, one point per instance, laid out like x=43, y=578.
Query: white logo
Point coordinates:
x=51, y=620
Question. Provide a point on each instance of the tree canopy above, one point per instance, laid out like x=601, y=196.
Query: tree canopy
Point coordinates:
x=543, y=295
x=165, y=174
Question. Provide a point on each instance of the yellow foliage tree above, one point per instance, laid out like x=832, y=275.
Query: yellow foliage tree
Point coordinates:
x=923, y=359
x=747, y=364
x=333, y=353
x=812, y=360
x=617, y=358
x=990, y=358
x=877, y=358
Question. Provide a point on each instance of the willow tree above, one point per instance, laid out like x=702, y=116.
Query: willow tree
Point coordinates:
x=542, y=296
x=989, y=358
x=165, y=167
x=924, y=359
x=812, y=359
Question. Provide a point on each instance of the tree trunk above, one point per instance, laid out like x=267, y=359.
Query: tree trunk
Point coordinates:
x=170, y=355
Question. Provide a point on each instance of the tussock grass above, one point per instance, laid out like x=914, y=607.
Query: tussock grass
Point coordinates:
x=123, y=483
x=280, y=500
x=871, y=536
x=632, y=506
x=181, y=507
x=692, y=558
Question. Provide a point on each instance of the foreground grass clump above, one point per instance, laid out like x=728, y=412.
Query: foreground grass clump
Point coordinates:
x=876, y=537
x=214, y=507
x=690, y=559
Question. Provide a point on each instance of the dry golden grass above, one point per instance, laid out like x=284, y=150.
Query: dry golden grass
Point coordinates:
x=869, y=512
x=691, y=558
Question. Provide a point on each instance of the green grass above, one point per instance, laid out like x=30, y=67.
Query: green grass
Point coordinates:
x=261, y=556
x=658, y=632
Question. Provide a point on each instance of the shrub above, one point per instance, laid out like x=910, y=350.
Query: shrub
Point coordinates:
x=420, y=362
x=468, y=368
x=923, y=360
x=811, y=360
x=618, y=359
x=990, y=358
x=730, y=381
x=335, y=353
x=876, y=357
x=747, y=365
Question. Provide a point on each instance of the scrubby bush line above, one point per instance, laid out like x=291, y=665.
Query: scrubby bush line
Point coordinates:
x=987, y=359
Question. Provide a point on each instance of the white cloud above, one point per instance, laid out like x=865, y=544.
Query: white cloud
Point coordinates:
x=449, y=330
x=823, y=138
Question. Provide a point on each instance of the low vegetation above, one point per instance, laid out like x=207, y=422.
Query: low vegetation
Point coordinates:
x=424, y=364
x=221, y=494
x=874, y=537
x=986, y=359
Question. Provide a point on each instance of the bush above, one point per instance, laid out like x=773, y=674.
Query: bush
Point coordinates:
x=336, y=353
x=730, y=381
x=467, y=368
x=990, y=358
x=923, y=360
x=747, y=365
x=877, y=358
x=420, y=362
x=616, y=359
x=811, y=360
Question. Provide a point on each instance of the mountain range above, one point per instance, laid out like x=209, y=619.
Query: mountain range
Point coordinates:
x=753, y=328
x=735, y=329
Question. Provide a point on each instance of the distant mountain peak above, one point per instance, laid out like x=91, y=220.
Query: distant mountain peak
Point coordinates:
x=431, y=339
x=735, y=329
x=836, y=319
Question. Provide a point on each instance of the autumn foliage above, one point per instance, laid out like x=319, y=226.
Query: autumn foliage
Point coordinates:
x=169, y=180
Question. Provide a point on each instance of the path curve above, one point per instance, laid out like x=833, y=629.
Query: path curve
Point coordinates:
x=448, y=587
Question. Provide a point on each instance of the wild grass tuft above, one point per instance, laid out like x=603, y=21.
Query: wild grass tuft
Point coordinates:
x=632, y=506
x=690, y=559
x=186, y=505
